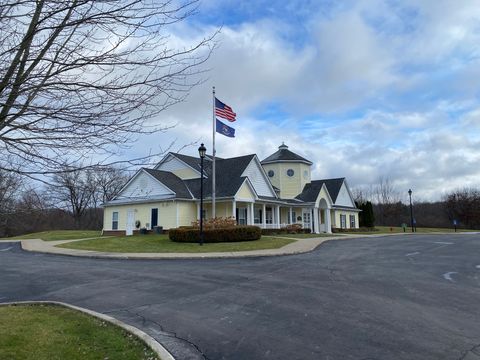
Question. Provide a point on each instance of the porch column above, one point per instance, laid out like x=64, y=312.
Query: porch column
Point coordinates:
x=290, y=220
x=264, y=216
x=278, y=215
x=252, y=214
x=234, y=209
x=328, y=221
x=317, y=222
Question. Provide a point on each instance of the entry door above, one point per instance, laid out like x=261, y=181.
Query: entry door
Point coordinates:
x=307, y=220
x=154, y=220
x=130, y=222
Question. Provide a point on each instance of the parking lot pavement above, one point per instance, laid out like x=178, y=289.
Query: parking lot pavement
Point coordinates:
x=399, y=297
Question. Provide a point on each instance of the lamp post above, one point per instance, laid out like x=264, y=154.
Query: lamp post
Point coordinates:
x=411, y=208
x=201, y=152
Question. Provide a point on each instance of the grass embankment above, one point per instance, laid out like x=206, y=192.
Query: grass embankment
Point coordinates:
x=153, y=243
x=49, y=332
x=58, y=235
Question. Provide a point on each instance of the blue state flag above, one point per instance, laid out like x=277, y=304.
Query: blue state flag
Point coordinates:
x=224, y=129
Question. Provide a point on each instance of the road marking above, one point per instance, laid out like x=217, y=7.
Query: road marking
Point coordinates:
x=478, y=266
x=9, y=248
x=448, y=276
x=443, y=242
x=411, y=254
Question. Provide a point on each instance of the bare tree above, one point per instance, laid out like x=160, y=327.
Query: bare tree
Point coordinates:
x=82, y=77
x=107, y=182
x=10, y=185
x=74, y=191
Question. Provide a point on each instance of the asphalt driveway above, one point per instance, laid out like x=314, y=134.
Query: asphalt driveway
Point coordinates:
x=399, y=297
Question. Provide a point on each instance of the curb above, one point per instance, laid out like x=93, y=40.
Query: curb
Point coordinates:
x=147, y=339
x=30, y=245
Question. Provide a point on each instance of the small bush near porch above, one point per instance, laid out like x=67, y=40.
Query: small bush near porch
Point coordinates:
x=216, y=235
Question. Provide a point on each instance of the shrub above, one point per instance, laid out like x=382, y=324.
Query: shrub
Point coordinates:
x=232, y=234
x=215, y=223
x=287, y=230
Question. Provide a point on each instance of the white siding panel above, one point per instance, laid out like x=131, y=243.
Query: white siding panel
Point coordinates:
x=343, y=198
x=143, y=186
x=260, y=184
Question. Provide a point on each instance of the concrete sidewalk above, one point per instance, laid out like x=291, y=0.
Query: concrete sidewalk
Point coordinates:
x=297, y=247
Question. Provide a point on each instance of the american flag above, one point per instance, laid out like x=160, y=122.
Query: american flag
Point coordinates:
x=224, y=111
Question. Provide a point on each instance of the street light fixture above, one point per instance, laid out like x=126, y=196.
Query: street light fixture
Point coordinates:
x=411, y=208
x=202, y=150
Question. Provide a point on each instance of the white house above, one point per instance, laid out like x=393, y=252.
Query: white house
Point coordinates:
x=270, y=193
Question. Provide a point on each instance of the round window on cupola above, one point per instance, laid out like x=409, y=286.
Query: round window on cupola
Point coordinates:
x=290, y=172
x=271, y=173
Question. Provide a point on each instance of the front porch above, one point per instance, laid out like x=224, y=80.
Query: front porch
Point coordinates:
x=269, y=215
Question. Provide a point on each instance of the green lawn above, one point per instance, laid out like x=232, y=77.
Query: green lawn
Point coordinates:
x=162, y=244
x=58, y=235
x=49, y=332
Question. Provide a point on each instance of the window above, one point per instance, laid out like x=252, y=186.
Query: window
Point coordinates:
x=242, y=216
x=115, y=220
x=291, y=220
x=257, y=218
x=290, y=172
x=352, y=221
x=343, y=221
x=305, y=173
x=269, y=215
x=271, y=173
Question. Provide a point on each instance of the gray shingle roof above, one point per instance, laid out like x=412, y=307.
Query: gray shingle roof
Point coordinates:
x=283, y=154
x=310, y=191
x=228, y=177
x=172, y=181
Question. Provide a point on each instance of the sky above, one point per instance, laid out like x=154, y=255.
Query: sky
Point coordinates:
x=364, y=89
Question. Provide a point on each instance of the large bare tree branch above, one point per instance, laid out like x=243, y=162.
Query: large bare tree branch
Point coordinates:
x=84, y=77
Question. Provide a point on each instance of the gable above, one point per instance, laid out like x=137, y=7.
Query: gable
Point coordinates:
x=258, y=179
x=245, y=192
x=323, y=195
x=176, y=166
x=344, y=198
x=144, y=185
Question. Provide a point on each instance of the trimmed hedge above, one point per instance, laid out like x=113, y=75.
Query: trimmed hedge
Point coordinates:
x=285, y=231
x=233, y=234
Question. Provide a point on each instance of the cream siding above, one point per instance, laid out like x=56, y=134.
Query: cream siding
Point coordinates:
x=245, y=193
x=336, y=215
x=167, y=214
x=179, y=168
x=187, y=213
x=290, y=186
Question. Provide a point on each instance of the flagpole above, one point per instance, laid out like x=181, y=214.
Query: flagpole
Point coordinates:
x=213, y=162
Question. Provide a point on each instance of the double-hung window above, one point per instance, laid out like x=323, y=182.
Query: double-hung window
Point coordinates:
x=115, y=220
x=343, y=221
x=352, y=221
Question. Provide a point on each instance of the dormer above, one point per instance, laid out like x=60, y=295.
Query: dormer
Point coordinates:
x=287, y=171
